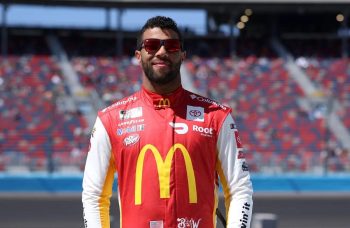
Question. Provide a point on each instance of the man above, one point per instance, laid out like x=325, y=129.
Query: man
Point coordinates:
x=169, y=148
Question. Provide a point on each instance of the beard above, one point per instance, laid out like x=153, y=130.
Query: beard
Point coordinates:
x=161, y=78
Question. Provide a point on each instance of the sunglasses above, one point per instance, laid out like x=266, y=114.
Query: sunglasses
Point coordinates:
x=153, y=45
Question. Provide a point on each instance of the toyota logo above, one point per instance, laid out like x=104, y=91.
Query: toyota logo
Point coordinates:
x=195, y=113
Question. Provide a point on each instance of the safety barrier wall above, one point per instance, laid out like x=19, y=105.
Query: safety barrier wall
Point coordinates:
x=63, y=183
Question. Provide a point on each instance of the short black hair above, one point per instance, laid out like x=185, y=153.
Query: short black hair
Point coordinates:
x=159, y=22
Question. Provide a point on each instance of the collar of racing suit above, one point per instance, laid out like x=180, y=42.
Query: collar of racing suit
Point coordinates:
x=163, y=101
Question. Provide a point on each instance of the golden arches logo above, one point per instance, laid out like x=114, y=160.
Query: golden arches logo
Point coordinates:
x=164, y=103
x=163, y=168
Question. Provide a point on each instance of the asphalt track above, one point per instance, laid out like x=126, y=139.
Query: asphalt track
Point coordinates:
x=65, y=211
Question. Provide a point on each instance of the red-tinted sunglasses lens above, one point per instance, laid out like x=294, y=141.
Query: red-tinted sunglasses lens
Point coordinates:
x=172, y=45
x=153, y=45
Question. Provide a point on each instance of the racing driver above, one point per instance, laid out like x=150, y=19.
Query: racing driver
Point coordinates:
x=169, y=147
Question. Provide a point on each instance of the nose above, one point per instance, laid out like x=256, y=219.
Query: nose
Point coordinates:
x=161, y=51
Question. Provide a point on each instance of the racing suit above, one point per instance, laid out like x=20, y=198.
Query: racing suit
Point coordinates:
x=169, y=153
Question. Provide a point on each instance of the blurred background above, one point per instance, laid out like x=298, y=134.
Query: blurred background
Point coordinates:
x=282, y=65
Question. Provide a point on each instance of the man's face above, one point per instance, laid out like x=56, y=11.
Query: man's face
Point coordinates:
x=160, y=67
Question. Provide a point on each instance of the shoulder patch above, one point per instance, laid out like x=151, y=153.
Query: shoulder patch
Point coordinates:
x=121, y=102
x=207, y=100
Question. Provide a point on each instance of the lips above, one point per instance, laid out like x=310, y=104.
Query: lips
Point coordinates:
x=161, y=62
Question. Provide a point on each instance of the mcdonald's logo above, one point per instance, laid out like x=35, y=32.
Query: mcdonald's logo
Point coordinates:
x=164, y=103
x=163, y=168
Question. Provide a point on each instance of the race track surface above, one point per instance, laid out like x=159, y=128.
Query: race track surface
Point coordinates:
x=65, y=211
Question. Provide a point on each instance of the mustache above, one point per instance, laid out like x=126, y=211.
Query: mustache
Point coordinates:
x=162, y=59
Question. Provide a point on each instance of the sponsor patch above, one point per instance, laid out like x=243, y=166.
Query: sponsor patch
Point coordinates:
x=131, y=139
x=91, y=136
x=156, y=224
x=130, y=129
x=140, y=127
x=245, y=166
x=195, y=113
x=238, y=140
x=131, y=113
x=120, y=103
x=129, y=122
x=93, y=132
x=205, y=131
x=207, y=100
x=163, y=103
x=245, y=215
x=233, y=126
x=180, y=128
x=240, y=155
x=188, y=222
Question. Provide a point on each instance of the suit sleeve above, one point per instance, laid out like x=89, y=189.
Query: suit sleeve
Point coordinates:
x=234, y=176
x=98, y=179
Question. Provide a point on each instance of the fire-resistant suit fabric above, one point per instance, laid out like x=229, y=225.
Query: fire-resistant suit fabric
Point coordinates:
x=169, y=153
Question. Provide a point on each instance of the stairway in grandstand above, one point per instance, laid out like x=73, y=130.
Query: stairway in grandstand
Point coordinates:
x=87, y=101
x=315, y=97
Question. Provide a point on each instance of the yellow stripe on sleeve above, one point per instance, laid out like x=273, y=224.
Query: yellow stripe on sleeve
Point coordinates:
x=225, y=186
x=104, y=202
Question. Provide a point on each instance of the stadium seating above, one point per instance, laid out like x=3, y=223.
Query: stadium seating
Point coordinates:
x=113, y=78
x=32, y=127
x=333, y=76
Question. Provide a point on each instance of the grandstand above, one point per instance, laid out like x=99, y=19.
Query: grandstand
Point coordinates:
x=287, y=82
x=283, y=66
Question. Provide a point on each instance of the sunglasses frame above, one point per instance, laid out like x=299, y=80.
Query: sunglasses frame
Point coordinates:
x=161, y=43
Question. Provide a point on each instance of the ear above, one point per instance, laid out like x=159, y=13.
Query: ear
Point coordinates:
x=183, y=56
x=138, y=55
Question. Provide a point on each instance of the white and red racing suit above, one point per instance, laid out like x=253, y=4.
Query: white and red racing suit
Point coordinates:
x=169, y=153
